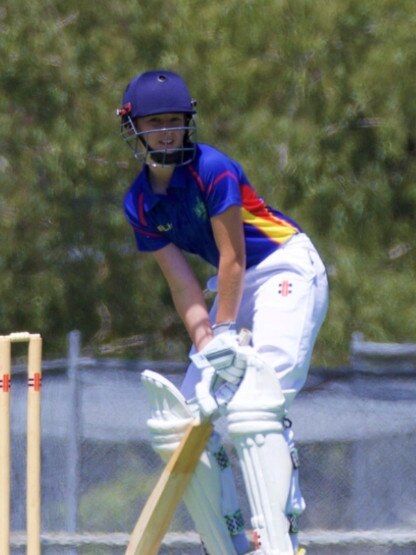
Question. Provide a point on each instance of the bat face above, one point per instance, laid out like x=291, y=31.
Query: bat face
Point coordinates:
x=160, y=507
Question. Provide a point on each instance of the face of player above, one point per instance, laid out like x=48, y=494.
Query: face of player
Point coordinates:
x=162, y=132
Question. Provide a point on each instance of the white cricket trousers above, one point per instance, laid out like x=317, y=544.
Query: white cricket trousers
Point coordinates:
x=284, y=303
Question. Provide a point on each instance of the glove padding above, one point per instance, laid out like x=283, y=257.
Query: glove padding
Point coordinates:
x=223, y=363
x=222, y=353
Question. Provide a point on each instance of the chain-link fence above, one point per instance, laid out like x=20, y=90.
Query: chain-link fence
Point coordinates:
x=355, y=429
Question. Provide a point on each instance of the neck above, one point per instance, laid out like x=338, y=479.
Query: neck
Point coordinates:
x=160, y=178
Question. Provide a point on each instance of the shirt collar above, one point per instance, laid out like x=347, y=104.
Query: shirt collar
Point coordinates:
x=150, y=198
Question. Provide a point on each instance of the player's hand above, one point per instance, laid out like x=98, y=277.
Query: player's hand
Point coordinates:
x=223, y=363
x=222, y=352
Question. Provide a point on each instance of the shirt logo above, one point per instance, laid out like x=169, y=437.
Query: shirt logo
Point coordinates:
x=200, y=210
x=165, y=227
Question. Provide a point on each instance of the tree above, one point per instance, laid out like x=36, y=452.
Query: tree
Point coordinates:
x=312, y=97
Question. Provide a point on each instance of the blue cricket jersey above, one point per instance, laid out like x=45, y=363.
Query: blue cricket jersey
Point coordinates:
x=198, y=191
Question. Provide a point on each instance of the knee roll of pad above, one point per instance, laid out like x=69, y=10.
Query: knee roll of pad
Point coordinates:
x=170, y=415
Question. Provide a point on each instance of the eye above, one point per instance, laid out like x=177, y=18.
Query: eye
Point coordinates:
x=155, y=122
x=177, y=120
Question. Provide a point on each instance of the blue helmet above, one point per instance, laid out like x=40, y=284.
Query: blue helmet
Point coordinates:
x=157, y=92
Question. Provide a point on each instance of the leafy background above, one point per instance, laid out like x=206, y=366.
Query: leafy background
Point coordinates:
x=314, y=98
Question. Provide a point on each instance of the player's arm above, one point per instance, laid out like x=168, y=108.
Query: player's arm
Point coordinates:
x=186, y=293
x=229, y=237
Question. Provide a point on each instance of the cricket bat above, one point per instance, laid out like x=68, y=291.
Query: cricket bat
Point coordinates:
x=160, y=507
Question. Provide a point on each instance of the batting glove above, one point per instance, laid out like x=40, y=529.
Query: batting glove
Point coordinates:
x=223, y=363
x=222, y=353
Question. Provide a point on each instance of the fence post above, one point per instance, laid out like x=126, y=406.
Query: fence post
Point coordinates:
x=74, y=348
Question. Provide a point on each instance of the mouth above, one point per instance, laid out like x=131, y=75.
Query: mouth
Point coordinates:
x=168, y=144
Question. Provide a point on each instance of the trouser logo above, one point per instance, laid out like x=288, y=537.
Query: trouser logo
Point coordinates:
x=285, y=288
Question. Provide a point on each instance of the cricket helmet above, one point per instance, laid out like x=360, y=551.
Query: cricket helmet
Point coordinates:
x=157, y=92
